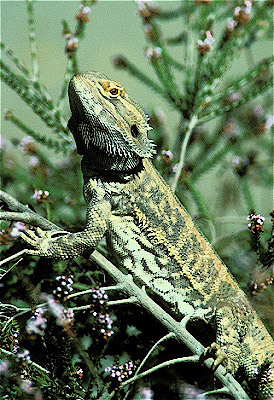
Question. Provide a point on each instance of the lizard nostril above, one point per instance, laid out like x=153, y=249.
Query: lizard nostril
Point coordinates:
x=134, y=131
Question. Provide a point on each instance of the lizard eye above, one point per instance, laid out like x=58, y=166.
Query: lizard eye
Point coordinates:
x=134, y=131
x=114, y=91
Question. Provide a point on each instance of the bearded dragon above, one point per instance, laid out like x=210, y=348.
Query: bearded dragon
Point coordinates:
x=148, y=231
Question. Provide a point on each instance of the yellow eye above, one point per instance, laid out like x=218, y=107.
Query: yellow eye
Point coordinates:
x=114, y=91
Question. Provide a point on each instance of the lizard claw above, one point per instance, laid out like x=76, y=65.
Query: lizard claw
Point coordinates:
x=31, y=236
x=40, y=240
x=215, y=351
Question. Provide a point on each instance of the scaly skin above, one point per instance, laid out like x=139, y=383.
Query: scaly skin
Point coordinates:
x=149, y=232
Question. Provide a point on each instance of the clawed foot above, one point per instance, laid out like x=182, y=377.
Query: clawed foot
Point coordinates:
x=40, y=240
x=215, y=351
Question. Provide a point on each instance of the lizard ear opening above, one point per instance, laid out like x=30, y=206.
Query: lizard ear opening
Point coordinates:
x=141, y=146
x=134, y=131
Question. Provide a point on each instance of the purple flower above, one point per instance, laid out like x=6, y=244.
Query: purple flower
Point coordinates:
x=153, y=53
x=17, y=228
x=37, y=324
x=64, y=317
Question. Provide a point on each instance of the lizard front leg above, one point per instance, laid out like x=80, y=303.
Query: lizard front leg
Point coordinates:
x=70, y=245
x=227, y=348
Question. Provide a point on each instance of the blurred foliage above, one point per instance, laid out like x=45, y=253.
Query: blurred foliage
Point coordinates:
x=76, y=344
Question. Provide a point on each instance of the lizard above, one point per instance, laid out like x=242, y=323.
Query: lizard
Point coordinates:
x=148, y=231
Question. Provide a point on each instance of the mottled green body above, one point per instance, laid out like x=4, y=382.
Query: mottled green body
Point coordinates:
x=149, y=233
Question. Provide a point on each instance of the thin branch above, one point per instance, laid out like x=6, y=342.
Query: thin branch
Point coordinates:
x=234, y=219
x=181, y=163
x=31, y=363
x=109, y=303
x=223, y=390
x=16, y=308
x=15, y=59
x=166, y=337
x=8, y=259
x=49, y=142
x=13, y=203
x=130, y=300
x=23, y=211
x=232, y=236
x=32, y=40
x=83, y=292
x=38, y=99
x=68, y=74
x=80, y=308
x=121, y=62
x=159, y=366
x=28, y=217
x=24, y=311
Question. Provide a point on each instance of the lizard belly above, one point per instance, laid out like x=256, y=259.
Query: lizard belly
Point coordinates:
x=148, y=263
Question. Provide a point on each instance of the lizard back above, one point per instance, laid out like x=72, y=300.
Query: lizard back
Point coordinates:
x=148, y=231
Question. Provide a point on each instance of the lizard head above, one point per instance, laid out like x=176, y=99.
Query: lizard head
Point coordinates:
x=105, y=117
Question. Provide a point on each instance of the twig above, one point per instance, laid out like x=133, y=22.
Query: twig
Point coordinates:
x=166, y=337
x=122, y=301
x=6, y=260
x=181, y=163
x=132, y=69
x=223, y=390
x=159, y=366
x=31, y=363
x=113, y=287
x=68, y=73
x=109, y=303
x=24, y=213
x=15, y=59
x=49, y=142
x=24, y=311
x=32, y=40
x=28, y=217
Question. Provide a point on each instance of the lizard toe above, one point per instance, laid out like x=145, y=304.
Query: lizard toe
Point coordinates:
x=29, y=237
x=219, y=355
x=39, y=232
x=33, y=252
